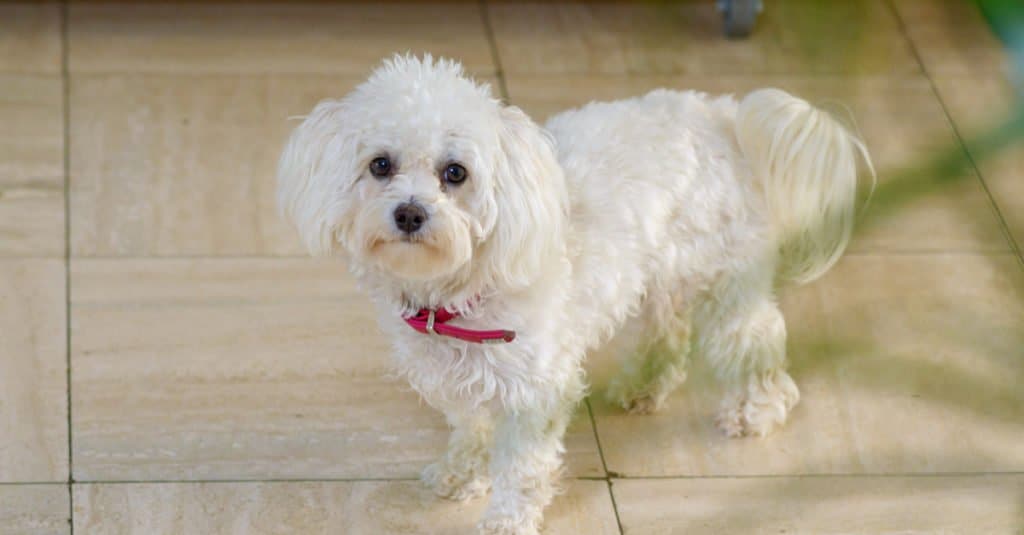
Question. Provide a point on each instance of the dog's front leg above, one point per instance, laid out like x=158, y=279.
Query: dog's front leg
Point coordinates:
x=525, y=466
x=461, y=474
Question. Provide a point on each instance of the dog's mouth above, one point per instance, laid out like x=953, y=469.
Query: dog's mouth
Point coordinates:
x=416, y=238
x=412, y=247
x=410, y=257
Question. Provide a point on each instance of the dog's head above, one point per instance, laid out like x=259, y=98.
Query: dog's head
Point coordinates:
x=420, y=175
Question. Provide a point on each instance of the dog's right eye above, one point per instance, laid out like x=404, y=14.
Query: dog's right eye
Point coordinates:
x=380, y=167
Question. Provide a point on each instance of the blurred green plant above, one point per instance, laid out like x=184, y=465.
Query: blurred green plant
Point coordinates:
x=1006, y=17
x=960, y=162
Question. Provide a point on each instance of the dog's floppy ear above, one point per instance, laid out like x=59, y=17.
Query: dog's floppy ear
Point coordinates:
x=530, y=201
x=315, y=167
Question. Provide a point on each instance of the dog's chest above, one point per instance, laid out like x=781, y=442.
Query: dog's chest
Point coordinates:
x=446, y=371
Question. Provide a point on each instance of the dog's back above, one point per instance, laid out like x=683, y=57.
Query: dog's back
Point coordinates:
x=686, y=210
x=661, y=196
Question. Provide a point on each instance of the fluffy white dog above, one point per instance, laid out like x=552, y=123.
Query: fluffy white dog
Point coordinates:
x=499, y=253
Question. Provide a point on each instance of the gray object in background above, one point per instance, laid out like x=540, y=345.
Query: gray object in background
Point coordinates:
x=739, y=16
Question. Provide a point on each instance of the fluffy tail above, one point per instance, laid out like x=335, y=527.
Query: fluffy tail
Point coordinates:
x=807, y=164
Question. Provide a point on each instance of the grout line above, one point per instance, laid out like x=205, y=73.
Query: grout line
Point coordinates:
x=492, y=41
x=615, y=505
x=354, y=77
x=209, y=256
x=32, y=483
x=144, y=303
x=235, y=481
x=1008, y=251
x=612, y=478
x=1003, y=225
x=597, y=439
x=604, y=465
x=922, y=475
x=66, y=103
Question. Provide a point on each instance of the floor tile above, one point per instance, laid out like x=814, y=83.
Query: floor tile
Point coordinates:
x=970, y=504
x=927, y=198
x=619, y=37
x=34, y=509
x=906, y=363
x=33, y=372
x=184, y=165
x=231, y=37
x=980, y=108
x=243, y=369
x=30, y=37
x=952, y=37
x=929, y=354
x=31, y=165
x=164, y=165
x=364, y=507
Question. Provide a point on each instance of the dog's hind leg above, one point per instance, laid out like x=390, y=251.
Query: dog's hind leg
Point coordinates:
x=742, y=333
x=656, y=365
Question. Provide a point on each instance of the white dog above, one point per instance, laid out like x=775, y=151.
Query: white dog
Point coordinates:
x=498, y=253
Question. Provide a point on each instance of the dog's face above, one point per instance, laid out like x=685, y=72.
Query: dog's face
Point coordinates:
x=416, y=193
x=421, y=175
x=417, y=205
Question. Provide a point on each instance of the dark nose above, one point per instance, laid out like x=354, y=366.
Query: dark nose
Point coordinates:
x=409, y=217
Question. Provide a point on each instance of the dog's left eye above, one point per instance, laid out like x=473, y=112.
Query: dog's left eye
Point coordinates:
x=454, y=174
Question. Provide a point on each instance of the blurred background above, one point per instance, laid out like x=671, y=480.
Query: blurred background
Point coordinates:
x=171, y=362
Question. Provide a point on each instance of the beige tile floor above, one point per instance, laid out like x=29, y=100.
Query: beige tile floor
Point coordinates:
x=222, y=383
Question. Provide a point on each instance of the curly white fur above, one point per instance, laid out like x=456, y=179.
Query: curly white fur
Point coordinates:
x=656, y=217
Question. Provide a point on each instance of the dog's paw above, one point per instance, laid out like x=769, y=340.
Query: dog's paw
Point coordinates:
x=730, y=419
x=759, y=407
x=633, y=401
x=749, y=420
x=506, y=526
x=642, y=404
x=453, y=485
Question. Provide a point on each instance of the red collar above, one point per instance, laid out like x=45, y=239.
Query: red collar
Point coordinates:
x=435, y=322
